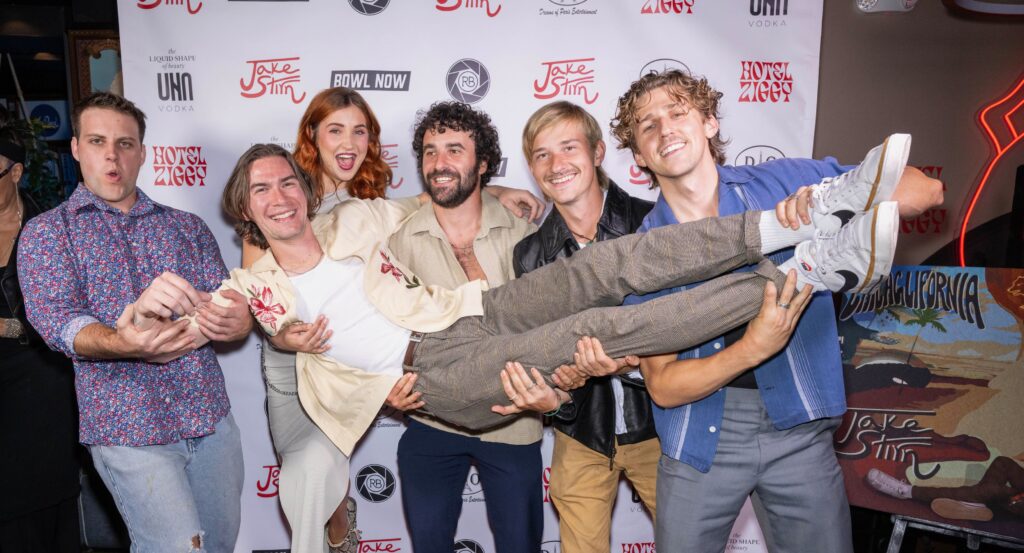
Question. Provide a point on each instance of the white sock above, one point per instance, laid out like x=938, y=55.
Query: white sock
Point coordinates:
x=775, y=237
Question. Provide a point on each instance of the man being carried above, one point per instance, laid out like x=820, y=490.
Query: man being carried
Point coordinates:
x=457, y=340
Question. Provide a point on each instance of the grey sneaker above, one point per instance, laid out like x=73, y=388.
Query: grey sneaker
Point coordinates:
x=836, y=200
x=854, y=259
x=888, y=484
x=961, y=510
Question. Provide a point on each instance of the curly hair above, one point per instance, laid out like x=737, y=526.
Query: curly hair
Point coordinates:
x=235, y=198
x=374, y=175
x=683, y=87
x=459, y=117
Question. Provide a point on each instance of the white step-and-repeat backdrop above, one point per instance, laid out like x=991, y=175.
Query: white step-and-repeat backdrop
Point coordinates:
x=215, y=76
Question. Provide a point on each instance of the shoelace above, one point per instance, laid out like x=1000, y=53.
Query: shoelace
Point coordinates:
x=832, y=190
x=830, y=249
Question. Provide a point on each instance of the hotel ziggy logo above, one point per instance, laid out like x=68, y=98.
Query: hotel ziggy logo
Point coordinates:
x=766, y=82
x=491, y=7
x=566, y=78
x=192, y=8
x=667, y=7
x=274, y=76
x=179, y=166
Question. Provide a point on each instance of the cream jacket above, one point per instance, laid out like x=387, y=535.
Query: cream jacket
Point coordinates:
x=343, y=401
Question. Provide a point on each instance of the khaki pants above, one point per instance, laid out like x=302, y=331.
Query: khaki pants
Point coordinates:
x=538, y=318
x=584, y=485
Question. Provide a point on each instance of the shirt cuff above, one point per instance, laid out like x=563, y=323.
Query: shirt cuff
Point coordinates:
x=72, y=329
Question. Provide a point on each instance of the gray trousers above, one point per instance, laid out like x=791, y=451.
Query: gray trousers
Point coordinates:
x=793, y=471
x=538, y=318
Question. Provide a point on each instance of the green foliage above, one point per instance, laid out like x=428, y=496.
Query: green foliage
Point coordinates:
x=40, y=180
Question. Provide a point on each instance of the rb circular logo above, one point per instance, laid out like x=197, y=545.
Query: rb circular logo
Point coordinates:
x=369, y=7
x=468, y=81
x=662, y=65
x=375, y=483
x=467, y=546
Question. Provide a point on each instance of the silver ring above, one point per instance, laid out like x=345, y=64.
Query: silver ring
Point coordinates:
x=531, y=386
x=513, y=397
x=783, y=305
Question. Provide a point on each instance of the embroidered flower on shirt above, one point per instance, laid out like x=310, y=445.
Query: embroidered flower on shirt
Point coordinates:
x=262, y=306
x=387, y=267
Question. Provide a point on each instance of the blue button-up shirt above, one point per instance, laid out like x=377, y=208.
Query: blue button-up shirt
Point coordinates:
x=801, y=383
x=82, y=263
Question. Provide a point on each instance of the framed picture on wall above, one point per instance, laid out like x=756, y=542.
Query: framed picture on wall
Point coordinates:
x=95, y=61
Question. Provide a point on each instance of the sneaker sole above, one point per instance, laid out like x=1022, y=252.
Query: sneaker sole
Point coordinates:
x=885, y=226
x=961, y=510
x=895, y=152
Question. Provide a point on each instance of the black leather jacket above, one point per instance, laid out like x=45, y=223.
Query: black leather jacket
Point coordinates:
x=592, y=422
x=9, y=278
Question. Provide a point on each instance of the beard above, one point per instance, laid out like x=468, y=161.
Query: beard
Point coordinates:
x=457, y=194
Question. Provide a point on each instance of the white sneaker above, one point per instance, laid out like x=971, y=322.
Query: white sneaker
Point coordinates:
x=854, y=259
x=887, y=484
x=836, y=200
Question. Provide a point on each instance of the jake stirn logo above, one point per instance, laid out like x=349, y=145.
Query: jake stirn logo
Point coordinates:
x=375, y=483
x=273, y=76
x=468, y=81
x=491, y=7
x=371, y=79
x=192, y=7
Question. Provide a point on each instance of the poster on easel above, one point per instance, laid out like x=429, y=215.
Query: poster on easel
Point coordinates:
x=934, y=370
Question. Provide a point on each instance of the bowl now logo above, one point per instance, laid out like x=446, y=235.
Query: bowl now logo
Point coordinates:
x=566, y=78
x=452, y=5
x=389, y=153
x=150, y=4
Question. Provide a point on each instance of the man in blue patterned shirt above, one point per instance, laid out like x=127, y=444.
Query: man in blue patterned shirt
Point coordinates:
x=160, y=433
x=732, y=418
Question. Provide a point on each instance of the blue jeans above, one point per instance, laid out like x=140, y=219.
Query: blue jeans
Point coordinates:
x=433, y=466
x=168, y=494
